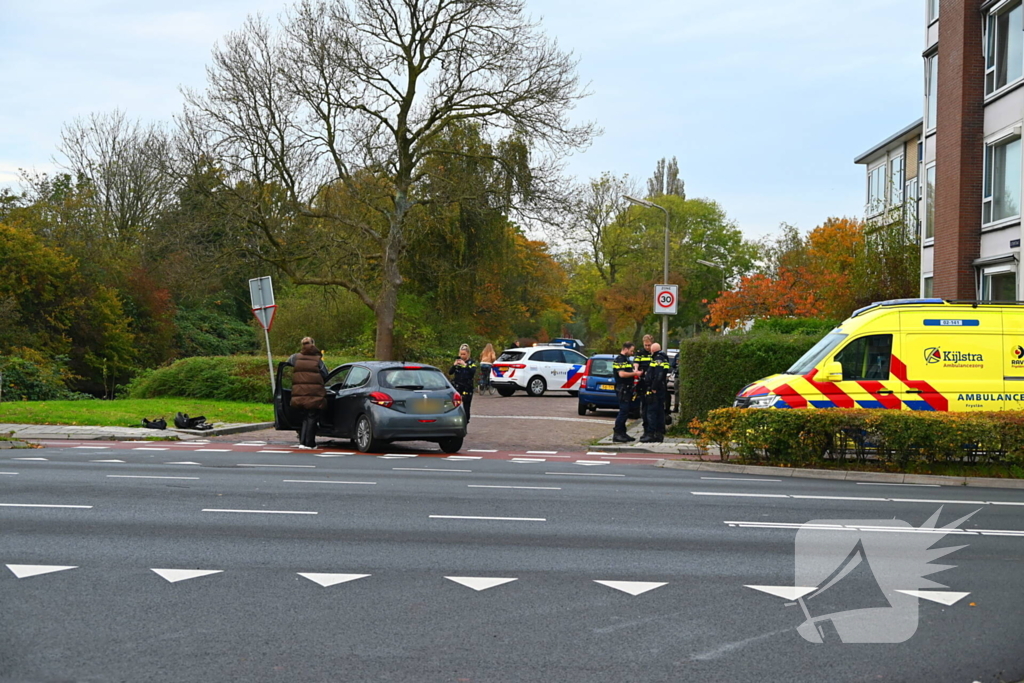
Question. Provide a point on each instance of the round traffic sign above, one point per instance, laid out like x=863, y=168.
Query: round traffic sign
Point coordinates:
x=666, y=299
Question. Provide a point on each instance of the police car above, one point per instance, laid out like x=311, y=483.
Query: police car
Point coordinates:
x=537, y=369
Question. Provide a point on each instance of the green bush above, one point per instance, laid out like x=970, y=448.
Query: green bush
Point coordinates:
x=37, y=379
x=215, y=378
x=794, y=326
x=713, y=368
x=208, y=332
x=894, y=437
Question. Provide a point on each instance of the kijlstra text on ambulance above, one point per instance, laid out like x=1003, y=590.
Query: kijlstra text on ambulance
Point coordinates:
x=908, y=354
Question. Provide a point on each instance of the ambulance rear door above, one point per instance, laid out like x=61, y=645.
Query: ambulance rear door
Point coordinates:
x=952, y=358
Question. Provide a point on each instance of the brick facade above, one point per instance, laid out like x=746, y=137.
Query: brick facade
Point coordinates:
x=959, y=149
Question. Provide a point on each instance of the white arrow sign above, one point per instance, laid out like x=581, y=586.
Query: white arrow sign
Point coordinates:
x=478, y=583
x=942, y=597
x=175, y=575
x=328, y=580
x=23, y=571
x=786, y=592
x=632, y=587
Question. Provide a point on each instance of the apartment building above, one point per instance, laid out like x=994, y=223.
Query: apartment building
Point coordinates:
x=970, y=157
x=893, y=170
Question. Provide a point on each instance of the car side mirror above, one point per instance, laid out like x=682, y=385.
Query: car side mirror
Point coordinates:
x=834, y=372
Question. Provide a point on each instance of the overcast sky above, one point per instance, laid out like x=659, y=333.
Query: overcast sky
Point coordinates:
x=765, y=104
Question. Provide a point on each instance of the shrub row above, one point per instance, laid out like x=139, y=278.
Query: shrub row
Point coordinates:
x=806, y=437
x=36, y=378
x=713, y=368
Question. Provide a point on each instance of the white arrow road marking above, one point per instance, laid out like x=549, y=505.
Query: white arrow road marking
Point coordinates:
x=29, y=458
x=632, y=587
x=328, y=580
x=787, y=592
x=106, y=461
x=478, y=583
x=942, y=597
x=23, y=571
x=175, y=575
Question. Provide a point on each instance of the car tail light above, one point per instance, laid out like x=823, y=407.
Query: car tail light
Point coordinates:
x=412, y=367
x=586, y=369
x=457, y=399
x=381, y=399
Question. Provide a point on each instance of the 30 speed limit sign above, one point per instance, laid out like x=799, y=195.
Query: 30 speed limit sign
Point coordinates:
x=666, y=299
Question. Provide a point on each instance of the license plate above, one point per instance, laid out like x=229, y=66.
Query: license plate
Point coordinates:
x=608, y=387
x=426, y=406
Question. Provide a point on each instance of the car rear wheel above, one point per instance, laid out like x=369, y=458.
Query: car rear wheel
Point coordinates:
x=536, y=386
x=506, y=391
x=365, y=440
x=581, y=409
x=574, y=394
x=451, y=445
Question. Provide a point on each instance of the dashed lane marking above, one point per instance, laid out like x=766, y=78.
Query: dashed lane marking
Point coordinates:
x=530, y=488
x=527, y=461
x=37, y=505
x=93, y=448
x=740, y=479
x=331, y=454
x=464, y=457
x=274, y=451
x=428, y=469
x=881, y=529
x=262, y=512
x=9, y=473
x=874, y=483
x=599, y=453
x=150, y=449
x=480, y=450
x=542, y=452
x=213, y=450
x=247, y=464
x=185, y=462
x=120, y=461
x=858, y=498
x=143, y=476
x=324, y=481
x=591, y=462
x=44, y=459
x=492, y=519
x=583, y=474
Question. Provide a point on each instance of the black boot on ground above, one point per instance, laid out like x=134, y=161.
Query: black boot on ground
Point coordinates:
x=621, y=438
x=657, y=438
x=647, y=438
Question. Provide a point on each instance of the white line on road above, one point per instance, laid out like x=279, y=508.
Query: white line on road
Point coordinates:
x=262, y=512
x=542, y=452
x=46, y=459
x=539, y=417
x=95, y=448
x=12, y=473
x=872, y=483
x=120, y=461
x=248, y=464
x=528, y=460
x=881, y=529
x=740, y=479
x=583, y=474
x=498, y=519
x=622, y=457
x=592, y=462
x=213, y=450
x=598, y=453
x=33, y=505
x=531, y=488
x=858, y=498
x=149, y=449
x=186, y=462
x=464, y=457
x=428, y=469
x=275, y=451
x=479, y=450
x=324, y=481
x=143, y=476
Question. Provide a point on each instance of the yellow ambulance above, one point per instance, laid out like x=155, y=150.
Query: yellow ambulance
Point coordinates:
x=908, y=354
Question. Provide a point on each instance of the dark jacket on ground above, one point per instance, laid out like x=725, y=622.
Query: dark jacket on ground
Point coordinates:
x=308, y=391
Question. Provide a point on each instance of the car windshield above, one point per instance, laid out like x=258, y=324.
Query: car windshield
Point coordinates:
x=818, y=352
x=511, y=356
x=601, y=367
x=413, y=379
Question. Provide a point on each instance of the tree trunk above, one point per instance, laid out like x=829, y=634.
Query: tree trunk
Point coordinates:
x=387, y=302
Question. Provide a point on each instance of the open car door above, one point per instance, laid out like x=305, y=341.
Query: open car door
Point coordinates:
x=285, y=418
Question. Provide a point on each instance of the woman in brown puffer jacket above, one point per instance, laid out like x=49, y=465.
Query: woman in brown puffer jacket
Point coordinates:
x=308, y=393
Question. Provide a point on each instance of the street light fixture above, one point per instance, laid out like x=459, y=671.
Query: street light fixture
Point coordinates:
x=652, y=205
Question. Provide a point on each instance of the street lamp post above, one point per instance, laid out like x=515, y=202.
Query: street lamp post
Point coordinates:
x=651, y=205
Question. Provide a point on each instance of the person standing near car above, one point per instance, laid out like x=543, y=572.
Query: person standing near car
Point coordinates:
x=625, y=374
x=462, y=373
x=657, y=393
x=642, y=362
x=487, y=358
x=308, y=393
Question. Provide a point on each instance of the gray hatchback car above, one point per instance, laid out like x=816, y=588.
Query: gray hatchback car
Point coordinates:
x=376, y=402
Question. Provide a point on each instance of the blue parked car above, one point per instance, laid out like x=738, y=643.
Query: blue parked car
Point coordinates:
x=597, y=388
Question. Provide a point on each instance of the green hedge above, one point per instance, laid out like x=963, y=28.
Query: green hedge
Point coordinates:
x=36, y=379
x=896, y=437
x=713, y=368
x=216, y=378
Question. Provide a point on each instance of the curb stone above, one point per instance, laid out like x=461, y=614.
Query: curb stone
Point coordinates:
x=881, y=477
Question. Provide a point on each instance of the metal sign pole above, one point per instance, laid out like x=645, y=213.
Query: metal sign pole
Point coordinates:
x=270, y=362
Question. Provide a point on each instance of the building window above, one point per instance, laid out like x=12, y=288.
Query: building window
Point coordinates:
x=1002, y=181
x=999, y=283
x=912, y=198
x=1004, y=58
x=927, y=288
x=876, y=190
x=933, y=10
x=896, y=181
x=929, y=202
x=931, y=83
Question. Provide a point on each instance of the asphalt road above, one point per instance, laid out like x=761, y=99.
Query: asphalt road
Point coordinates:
x=687, y=543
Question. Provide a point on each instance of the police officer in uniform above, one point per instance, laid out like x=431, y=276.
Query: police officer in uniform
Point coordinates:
x=641, y=363
x=625, y=374
x=657, y=395
x=462, y=372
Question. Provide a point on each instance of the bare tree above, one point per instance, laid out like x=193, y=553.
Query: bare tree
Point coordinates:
x=337, y=112
x=666, y=180
x=125, y=164
x=598, y=207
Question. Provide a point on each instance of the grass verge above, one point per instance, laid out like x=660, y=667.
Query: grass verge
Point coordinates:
x=129, y=412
